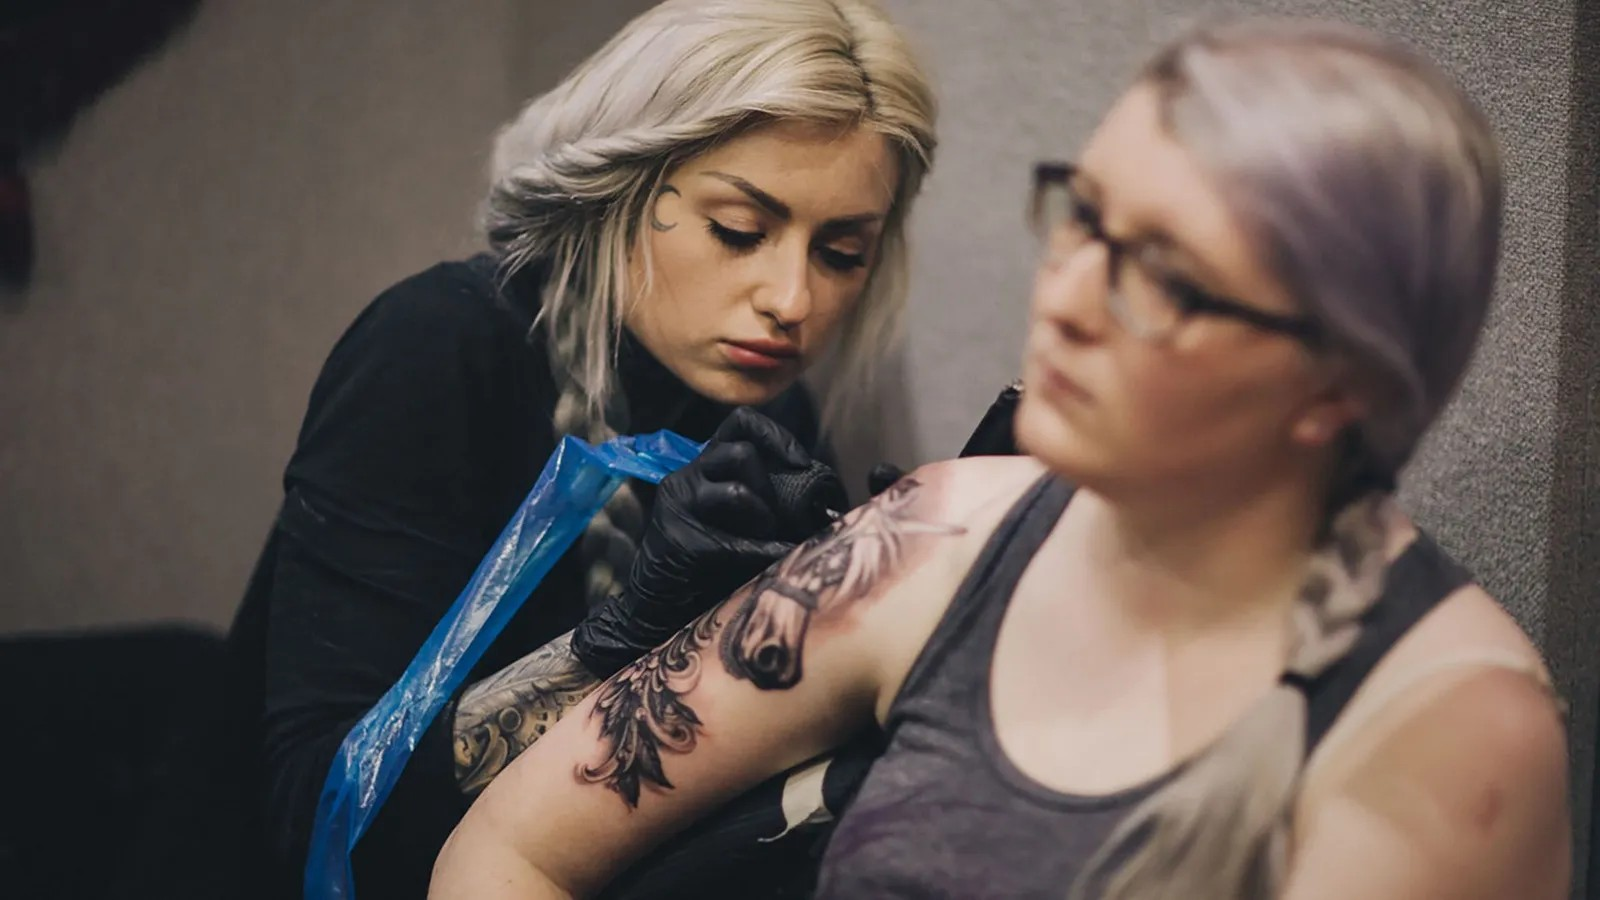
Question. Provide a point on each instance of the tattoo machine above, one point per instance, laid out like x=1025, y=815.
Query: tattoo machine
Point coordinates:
x=994, y=435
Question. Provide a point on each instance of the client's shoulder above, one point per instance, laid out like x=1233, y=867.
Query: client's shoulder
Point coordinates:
x=928, y=529
x=1461, y=718
x=964, y=489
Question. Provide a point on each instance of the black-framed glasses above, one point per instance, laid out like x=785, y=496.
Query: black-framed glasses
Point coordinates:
x=1144, y=292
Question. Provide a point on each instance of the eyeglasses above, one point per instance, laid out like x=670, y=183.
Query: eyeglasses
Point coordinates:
x=1145, y=294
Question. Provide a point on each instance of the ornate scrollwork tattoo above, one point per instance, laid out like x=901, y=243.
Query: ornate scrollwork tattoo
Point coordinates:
x=643, y=711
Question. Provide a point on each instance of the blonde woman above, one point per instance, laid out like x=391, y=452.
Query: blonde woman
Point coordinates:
x=699, y=212
x=1224, y=664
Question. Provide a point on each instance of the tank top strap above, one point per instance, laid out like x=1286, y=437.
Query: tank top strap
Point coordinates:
x=960, y=647
x=1421, y=577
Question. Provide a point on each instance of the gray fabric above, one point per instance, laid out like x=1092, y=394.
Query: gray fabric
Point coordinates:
x=944, y=813
x=1510, y=479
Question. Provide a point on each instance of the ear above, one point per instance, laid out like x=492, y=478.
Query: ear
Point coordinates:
x=1327, y=414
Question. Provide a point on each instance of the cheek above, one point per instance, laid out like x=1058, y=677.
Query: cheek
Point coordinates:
x=682, y=263
x=692, y=283
x=1196, y=409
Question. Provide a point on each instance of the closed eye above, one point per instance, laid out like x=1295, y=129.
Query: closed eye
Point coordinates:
x=733, y=238
x=840, y=261
x=744, y=241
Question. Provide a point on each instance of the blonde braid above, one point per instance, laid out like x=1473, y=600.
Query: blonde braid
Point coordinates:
x=612, y=537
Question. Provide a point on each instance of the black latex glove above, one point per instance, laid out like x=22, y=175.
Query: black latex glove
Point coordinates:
x=992, y=437
x=995, y=434
x=742, y=505
x=882, y=477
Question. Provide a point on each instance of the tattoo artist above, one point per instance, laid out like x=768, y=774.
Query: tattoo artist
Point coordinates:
x=695, y=215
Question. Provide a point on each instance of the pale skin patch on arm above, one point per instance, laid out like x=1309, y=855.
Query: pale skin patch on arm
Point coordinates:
x=1458, y=791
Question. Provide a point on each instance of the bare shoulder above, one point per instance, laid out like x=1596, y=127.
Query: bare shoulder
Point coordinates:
x=1455, y=750
x=1468, y=639
x=964, y=500
x=960, y=487
x=1466, y=671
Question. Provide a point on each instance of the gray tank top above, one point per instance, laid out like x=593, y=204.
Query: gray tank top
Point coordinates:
x=944, y=812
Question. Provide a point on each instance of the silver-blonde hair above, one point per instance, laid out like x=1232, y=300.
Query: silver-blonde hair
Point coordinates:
x=1370, y=185
x=574, y=173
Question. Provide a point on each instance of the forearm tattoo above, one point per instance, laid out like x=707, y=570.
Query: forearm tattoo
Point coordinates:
x=655, y=220
x=503, y=715
x=642, y=710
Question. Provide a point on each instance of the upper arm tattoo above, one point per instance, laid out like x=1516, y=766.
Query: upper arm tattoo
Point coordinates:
x=504, y=714
x=642, y=710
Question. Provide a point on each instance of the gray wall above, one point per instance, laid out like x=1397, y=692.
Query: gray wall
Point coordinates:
x=212, y=225
x=205, y=234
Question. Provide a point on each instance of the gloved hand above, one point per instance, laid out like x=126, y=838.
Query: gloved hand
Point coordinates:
x=882, y=477
x=996, y=433
x=742, y=505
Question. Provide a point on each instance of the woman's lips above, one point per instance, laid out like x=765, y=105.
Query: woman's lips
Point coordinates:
x=1056, y=383
x=765, y=355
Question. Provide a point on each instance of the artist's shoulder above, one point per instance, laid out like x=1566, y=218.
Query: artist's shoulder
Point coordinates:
x=450, y=302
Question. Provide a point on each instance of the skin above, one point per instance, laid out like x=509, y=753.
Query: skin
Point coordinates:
x=1154, y=615
x=768, y=237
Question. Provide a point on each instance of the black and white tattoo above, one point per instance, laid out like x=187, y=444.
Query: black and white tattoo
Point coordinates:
x=655, y=220
x=503, y=715
x=642, y=710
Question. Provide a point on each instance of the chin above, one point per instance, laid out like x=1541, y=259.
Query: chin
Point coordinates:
x=1047, y=436
x=733, y=388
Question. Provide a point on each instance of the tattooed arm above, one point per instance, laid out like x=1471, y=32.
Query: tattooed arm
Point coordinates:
x=695, y=551
x=503, y=715
x=786, y=669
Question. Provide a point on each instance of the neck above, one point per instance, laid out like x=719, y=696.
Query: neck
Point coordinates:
x=1193, y=557
x=657, y=398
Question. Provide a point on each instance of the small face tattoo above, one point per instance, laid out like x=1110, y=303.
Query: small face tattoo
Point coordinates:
x=655, y=220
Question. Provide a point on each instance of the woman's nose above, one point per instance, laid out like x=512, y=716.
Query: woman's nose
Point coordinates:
x=1070, y=292
x=786, y=298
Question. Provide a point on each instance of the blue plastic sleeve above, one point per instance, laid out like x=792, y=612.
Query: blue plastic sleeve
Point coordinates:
x=576, y=482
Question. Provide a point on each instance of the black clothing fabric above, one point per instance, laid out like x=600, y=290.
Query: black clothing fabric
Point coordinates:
x=427, y=427
x=944, y=813
x=111, y=786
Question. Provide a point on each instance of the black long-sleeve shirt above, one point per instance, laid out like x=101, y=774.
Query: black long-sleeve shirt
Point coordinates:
x=427, y=427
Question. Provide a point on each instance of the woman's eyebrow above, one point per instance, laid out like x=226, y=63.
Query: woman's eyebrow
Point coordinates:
x=782, y=211
x=763, y=199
